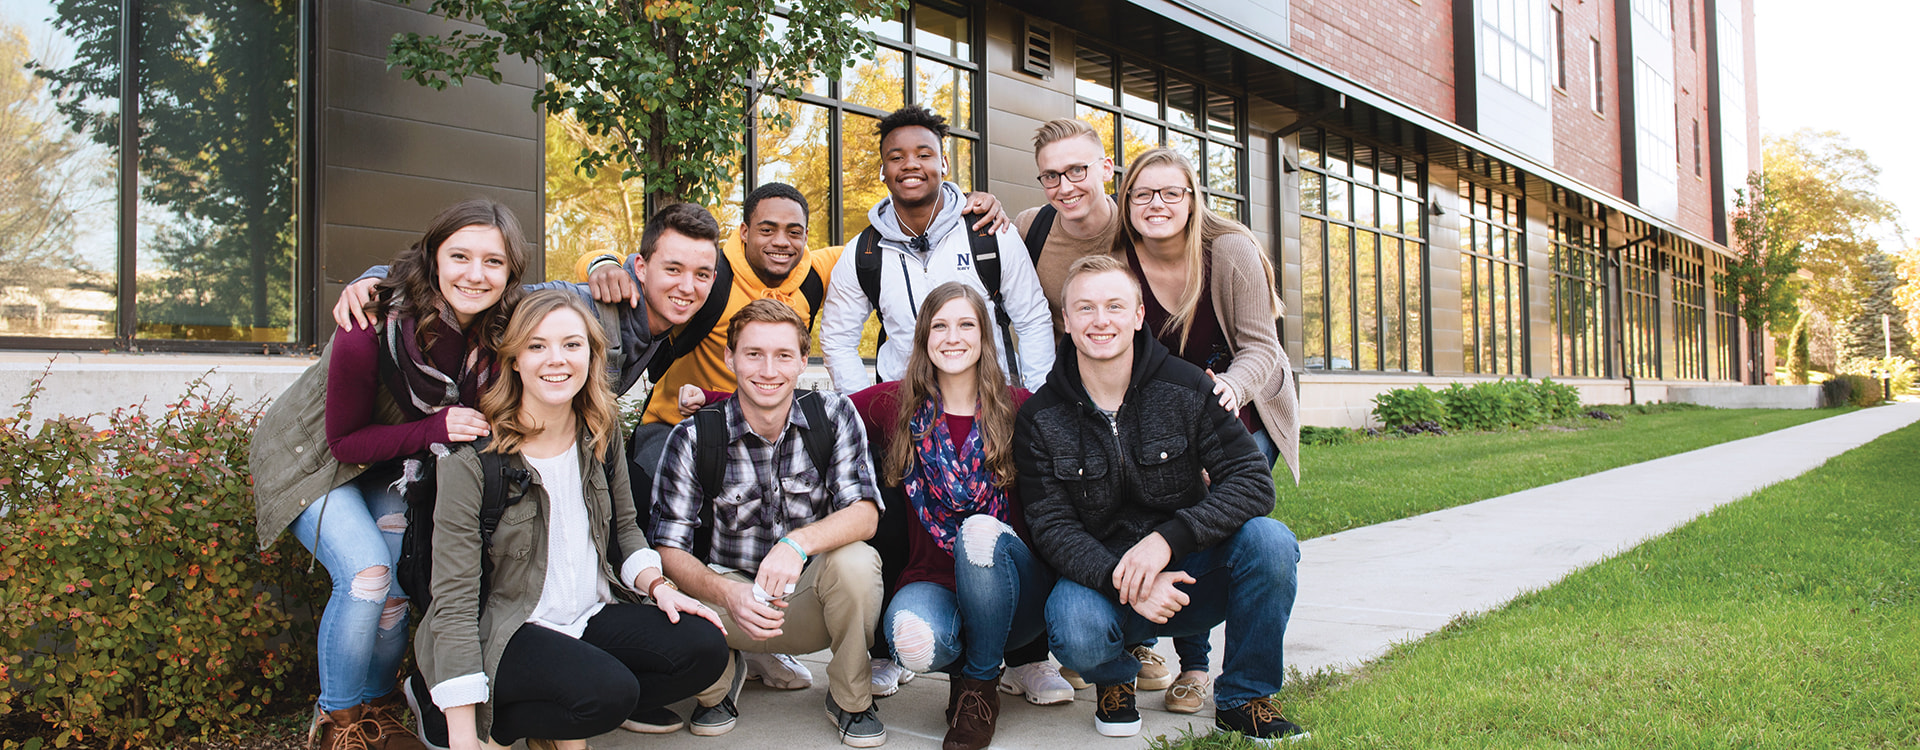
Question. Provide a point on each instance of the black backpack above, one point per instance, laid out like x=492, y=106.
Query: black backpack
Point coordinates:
x=710, y=456
x=501, y=487
x=986, y=262
x=1037, y=232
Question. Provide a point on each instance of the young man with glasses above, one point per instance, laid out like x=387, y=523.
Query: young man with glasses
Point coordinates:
x=1079, y=218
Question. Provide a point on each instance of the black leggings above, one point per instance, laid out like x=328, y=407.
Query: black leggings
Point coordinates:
x=629, y=660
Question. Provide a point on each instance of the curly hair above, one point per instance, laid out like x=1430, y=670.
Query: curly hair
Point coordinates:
x=415, y=276
x=771, y=190
x=914, y=115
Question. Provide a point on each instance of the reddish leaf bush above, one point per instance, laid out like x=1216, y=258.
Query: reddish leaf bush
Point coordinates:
x=134, y=604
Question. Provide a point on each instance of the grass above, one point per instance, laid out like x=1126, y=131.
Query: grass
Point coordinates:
x=1374, y=481
x=1787, y=619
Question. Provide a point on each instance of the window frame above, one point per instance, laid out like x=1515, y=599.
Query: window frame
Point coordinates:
x=1203, y=134
x=1410, y=298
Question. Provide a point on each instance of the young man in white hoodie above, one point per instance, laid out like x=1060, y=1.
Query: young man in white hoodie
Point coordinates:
x=924, y=242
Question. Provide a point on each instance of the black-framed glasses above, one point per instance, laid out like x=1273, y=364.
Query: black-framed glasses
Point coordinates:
x=1168, y=195
x=1075, y=174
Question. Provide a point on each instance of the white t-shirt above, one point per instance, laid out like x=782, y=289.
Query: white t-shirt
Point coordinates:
x=574, y=591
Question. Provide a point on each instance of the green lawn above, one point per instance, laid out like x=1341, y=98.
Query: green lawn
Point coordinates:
x=1789, y=619
x=1373, y=481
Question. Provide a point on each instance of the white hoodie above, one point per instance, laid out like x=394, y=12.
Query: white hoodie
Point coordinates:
x=905, y=279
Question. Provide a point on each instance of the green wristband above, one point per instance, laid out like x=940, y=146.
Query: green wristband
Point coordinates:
x=787, y=540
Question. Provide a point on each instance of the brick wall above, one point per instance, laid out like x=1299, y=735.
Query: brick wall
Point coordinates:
x=1587, y=145
x=1403, y=48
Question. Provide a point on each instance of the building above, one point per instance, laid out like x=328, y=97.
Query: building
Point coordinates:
x=1453, y=189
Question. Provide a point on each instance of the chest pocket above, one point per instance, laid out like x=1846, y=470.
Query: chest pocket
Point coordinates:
x=1076, y=468
x=513, y=539
x=1166, y=473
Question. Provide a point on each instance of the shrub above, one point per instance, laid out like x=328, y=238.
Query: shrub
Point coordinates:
x=1407, y=406
x=1558, y=400
x=1799, y=350
x=137, y=606
x=1900, y=372
x=1836, y=390
x=1863, y=390
x=1311, y=435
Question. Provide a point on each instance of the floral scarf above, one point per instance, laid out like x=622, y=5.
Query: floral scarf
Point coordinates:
x=946, y=485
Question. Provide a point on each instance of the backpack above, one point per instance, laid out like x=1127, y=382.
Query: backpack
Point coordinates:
x=986, y=262
x=698, y=327
x=501, y=487
x=1037, y=232
x=710, y=455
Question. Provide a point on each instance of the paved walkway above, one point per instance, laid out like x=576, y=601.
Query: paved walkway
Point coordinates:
x=1365, y=589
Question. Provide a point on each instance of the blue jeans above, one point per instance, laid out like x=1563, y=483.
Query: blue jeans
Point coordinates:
x=998, y=601
x=363, y=631
x=1247, y=581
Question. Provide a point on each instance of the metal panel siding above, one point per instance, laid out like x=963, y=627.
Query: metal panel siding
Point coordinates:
x=1267, y=19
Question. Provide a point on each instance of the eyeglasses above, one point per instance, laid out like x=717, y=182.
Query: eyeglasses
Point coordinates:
x=1076, y=173
x=1169, y=195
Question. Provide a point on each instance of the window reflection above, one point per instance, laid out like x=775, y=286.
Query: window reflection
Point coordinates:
x=876, y=83
x=1362, y=238
x=796, y=154
x=942, y=32
x=58, y=222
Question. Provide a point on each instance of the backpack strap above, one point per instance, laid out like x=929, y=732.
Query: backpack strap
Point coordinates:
x=1038, y=231
x=710, y=469
x=814, y=289
x=986, y=262
x=501, y=487
x=866, y=269
x=820, y=433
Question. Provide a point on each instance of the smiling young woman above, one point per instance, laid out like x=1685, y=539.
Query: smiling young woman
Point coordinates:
x=568, y=652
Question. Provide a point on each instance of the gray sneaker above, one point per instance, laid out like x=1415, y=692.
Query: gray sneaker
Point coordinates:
x=714, y=720
x=858, y=728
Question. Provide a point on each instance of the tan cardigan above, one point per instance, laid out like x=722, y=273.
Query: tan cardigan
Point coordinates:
x=1261, y=375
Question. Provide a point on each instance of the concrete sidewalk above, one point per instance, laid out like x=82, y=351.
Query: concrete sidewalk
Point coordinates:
x=1365, y=589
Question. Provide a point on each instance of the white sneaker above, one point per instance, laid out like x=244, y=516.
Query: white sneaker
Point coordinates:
x=779, y=671
x=1040, y=681
x=888, y=677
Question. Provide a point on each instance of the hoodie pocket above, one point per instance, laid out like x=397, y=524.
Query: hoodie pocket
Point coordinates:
x=1166, y=474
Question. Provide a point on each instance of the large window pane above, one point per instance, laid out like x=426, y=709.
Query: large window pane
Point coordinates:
x=1223, y=167
x=1139, y=138
x=1139, y=90
x=1093, y=76
x=1313, y=251
x=59, y=239
x=218, y=150
x=1340, y=297
x=942, y=32
x=1367, y=301
x=1102, y=122
x=879, y=83
x=1188, y=146
x=860, y=159
x=960, y=162
x=1183, y=102
x=946, y=90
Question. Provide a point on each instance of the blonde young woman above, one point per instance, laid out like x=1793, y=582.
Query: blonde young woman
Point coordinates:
x=1209, y=293
x=559, y=650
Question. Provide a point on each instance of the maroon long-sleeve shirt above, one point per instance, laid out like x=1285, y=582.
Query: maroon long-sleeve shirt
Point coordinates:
x=353, y=379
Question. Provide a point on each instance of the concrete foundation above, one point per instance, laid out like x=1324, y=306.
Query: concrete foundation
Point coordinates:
x=1748, y=396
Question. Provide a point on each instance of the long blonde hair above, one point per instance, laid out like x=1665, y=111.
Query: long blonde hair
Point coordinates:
x=1203, y=227
x=993, y=420
x=593, y=406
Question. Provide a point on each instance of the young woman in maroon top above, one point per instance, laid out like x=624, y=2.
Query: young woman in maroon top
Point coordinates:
x=972, y=589
x=431, y=348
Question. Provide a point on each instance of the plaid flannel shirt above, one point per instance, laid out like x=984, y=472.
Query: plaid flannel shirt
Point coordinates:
x=770, y=488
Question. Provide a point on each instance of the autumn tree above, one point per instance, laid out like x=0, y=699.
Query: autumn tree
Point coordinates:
x=665, y=83
x=43, y=181
x=1764, y=268
x=1827, y=189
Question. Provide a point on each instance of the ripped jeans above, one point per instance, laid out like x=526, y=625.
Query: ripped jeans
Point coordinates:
x=998, y=603
x=363, y=632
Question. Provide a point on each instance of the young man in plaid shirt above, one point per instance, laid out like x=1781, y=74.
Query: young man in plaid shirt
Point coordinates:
x=785, y=562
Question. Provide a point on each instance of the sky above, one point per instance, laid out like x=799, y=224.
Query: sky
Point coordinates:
x=1846, y=65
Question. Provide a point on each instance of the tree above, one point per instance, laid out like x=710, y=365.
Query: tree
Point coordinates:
x=665, y=82
x=1827, y=188
x=1864, y=335
x=1763, y=271
x=1800, y=354
x=45, y=189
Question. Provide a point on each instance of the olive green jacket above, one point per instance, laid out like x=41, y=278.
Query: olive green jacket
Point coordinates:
x=455, y=638
x=291, y=463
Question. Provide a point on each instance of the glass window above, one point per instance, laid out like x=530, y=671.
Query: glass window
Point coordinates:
x=1493, y=280
x=1183, y=103
x=1093, y=76
x=859, y=156
x=1577, y=286
x=1139, y=90
x=797, y=154
x=1514, y=46
x=59, y=253
x=1640, y=298
x=946, y=90
x=877, y=83
x=1689, y=312
x=939, y=31
x=1361, y=280
x=1124, y=100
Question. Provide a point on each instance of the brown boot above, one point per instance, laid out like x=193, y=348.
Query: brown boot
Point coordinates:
x=388, y=732
x=345, y=729
x=973, y=707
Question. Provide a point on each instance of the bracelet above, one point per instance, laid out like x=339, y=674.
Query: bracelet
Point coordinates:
x=656, y=585
x=787, y=540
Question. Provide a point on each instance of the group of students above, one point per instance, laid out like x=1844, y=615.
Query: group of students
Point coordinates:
x=1081, y=495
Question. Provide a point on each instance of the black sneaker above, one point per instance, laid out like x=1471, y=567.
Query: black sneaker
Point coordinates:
x=430, y=725
x=714, y=720
x=858, y=728
x=1260, y=720
x=1114, y=714
x=660, y=720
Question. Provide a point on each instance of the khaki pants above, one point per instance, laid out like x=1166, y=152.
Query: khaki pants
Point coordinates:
x=835, y=605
